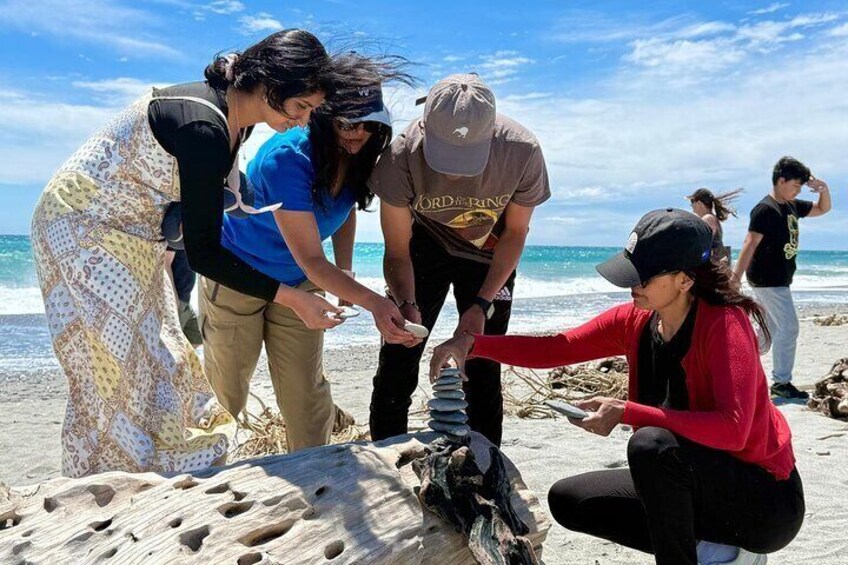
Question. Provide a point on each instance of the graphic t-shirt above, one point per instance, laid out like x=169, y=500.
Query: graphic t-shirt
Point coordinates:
x=773, y=263
x=464, y=214
x=282, y=171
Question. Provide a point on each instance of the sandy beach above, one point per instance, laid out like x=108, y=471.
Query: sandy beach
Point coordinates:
x=32, y=409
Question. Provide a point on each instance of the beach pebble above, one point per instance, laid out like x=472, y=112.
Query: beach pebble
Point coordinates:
x=458, y=430
x=417, y=330
x=447, y=404
x=456, y=386
x=455, y=417
x=454, y=394
x=448, y=380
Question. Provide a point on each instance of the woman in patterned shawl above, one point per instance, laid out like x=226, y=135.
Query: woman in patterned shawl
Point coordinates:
x=137, y=392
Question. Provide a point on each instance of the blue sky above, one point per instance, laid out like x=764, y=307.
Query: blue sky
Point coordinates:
x=636, y=104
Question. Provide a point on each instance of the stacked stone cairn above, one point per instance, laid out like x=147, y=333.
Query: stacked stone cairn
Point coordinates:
x=447, y=408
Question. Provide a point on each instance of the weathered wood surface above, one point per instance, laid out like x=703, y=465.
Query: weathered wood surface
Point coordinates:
x=350, y=503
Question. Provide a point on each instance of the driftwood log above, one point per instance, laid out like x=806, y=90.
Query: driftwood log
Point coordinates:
x=349, y=503
x=830, y=395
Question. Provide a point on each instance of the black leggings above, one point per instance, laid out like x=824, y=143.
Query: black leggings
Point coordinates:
x=677, y=492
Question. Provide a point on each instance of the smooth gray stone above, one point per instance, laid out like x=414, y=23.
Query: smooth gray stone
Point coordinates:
x=447, y=380
x=448, y=428
x=449, y=372
x=455, y=417
x=456, y=386
x=447, y=404
x=454, y=394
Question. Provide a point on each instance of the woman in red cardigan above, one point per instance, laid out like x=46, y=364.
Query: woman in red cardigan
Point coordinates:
x=711, y=457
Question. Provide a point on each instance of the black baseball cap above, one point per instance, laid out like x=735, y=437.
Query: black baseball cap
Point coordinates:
x=663, y=241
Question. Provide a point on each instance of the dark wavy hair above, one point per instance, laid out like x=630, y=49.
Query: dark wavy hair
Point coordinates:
x=288, y=63
x=720, y=204
x=790, y=168
x=715, y=285
x=354, y=74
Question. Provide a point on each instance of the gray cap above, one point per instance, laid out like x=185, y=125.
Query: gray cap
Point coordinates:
x=459, y=120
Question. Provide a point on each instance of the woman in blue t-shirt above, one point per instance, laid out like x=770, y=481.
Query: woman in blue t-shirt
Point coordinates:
x=319, y=176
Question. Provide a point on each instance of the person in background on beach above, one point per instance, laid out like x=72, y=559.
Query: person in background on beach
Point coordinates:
x=183, y=279
x=714, y=210
x=136, y=385
x=768, y=260
x=457, y=190
x=320, y=176
x=711, y=457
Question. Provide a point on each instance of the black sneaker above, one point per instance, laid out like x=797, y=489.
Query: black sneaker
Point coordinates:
x=788, y=390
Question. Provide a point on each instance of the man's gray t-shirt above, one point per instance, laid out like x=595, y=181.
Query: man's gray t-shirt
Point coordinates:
x=464, y=214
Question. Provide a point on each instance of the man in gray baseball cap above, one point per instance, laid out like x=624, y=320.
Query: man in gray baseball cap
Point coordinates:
x=459, y=120
x=457, y=190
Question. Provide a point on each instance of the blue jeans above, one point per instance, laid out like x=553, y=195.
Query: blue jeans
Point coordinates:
x=782, y=321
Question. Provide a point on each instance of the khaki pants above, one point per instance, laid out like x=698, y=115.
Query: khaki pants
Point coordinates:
x=234, y=326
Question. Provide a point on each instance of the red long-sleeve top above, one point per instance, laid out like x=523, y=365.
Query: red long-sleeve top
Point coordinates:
x=730, y=406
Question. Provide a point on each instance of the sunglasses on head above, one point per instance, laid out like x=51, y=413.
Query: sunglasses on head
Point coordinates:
x=370, y=127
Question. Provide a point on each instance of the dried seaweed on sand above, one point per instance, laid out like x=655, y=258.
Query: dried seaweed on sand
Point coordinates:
x=267, y=432
x=830, y=395
x=832, y=320
x=525, y=390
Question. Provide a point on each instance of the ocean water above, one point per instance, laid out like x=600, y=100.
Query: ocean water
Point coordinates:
x=556, y=288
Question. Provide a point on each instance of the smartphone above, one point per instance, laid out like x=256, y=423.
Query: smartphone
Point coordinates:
x=567, y=409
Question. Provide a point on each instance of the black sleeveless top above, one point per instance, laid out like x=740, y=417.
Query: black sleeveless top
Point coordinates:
x=197, y=136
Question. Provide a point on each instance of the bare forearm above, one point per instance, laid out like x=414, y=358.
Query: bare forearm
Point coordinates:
x=743, y=261
x=400, y=277
x=332, y=279
x=343, y=240
x=507, y=254
x=824, y=201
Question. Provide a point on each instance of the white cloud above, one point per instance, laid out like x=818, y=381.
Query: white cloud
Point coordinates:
x=502, y=66
x=528, y=96
x=90, y=21
x=839, y=31
x=452, y=58
x=225, y=7
x=582, y=26
x=672, y=57
x=774, y=7
x=704, y=29
x=38, y=135
x=117, y=91
x=261, y=22
x=774, y=32
x=646, y=142
x=698, y=52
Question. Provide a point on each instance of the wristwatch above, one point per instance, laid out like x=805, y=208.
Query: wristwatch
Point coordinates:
x=485, y=305
x=408, y=303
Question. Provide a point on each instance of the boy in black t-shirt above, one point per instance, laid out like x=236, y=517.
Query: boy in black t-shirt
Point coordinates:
x=768, y=260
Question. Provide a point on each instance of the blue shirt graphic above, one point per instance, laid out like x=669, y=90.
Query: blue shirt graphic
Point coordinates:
x=282, y=171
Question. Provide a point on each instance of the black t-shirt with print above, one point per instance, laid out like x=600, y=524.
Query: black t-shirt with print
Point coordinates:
x=773, y=263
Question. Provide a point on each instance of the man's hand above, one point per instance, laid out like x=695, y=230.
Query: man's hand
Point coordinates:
x=817, y=185
x=412, y=314
x=472, y=321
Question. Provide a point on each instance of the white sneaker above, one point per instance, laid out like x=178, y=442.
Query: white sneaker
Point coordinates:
x=711, y=554
x=745, y=557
